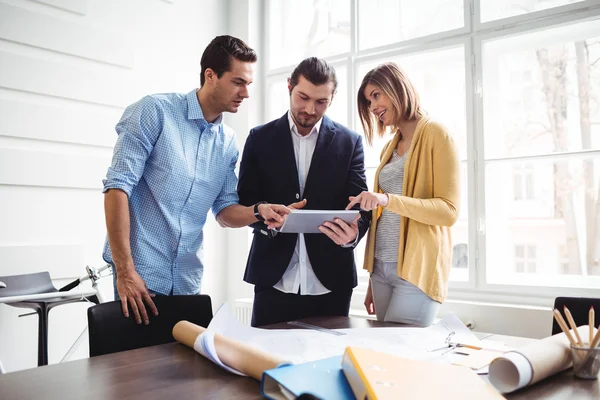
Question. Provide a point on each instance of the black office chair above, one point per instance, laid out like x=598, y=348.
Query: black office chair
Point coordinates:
x=579, y=308
x=111, y=332
x=36, y=283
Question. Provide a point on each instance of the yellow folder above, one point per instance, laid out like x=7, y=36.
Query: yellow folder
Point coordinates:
x=374, y=375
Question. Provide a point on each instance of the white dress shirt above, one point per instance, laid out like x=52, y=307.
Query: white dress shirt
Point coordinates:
x=299, y=274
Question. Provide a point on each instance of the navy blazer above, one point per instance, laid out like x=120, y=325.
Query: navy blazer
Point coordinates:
x=268, y=173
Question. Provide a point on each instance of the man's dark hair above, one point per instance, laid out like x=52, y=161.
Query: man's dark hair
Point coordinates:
x=316, y=71
x=219, y=52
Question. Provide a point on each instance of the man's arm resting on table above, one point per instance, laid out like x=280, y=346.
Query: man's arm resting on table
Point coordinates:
x=130, y=286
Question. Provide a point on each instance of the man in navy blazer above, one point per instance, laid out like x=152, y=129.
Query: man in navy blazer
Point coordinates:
x=308, y=161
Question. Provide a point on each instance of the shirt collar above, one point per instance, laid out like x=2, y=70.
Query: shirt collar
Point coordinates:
x=294, y=129
x=195, y=111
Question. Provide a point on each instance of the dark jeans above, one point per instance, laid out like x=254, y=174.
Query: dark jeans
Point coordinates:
x=272, y=306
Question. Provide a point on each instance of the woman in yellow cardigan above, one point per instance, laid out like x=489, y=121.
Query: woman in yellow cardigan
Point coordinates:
x=414, y=203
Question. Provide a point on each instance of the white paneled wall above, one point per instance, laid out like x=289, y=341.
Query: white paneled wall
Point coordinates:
x=75, y=6
x=95, y=43
x=67, y=70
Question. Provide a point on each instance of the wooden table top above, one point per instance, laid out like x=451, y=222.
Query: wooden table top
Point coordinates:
x=177, y=372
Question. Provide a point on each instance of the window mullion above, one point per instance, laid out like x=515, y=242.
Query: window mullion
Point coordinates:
x=352, y=67
x=477, y=213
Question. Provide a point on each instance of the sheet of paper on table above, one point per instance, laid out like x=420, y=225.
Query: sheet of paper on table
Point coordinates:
x=303, y=345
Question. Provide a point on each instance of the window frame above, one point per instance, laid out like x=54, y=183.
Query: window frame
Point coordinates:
x=471, y=37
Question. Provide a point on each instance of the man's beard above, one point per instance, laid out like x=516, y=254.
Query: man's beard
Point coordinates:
x=305, y=122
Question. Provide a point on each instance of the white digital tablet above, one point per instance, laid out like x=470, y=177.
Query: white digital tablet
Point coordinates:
x=308, y=221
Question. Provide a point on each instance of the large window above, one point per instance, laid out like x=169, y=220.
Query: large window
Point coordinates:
x=541, y=119
x=299, y=29
x=499, y=9
x=383, y=22
x=518, y=84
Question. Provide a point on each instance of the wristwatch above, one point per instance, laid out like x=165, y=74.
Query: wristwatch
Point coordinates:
x=256, y=213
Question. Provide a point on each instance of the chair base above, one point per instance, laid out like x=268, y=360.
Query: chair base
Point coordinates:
x=42, y=309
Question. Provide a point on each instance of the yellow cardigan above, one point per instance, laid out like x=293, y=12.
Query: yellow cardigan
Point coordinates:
x=428, y=208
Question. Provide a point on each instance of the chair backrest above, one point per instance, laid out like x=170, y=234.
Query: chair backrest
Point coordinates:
x=111, y=332
x=579, y=308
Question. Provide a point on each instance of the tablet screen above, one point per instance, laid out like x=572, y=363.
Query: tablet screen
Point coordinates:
x=308, y=221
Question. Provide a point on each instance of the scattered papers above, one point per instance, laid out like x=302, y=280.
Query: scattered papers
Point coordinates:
x=304, y=345
x=495, y=345
x=477, y=359
x=293, y=345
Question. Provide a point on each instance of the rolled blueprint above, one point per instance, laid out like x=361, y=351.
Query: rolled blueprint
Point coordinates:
x=230, y=354
x=532, y=363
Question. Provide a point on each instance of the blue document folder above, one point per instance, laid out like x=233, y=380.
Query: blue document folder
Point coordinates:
x=323, y=379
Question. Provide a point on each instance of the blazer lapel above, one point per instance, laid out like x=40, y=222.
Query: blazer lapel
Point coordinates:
x=326, y=135
x=284, y=146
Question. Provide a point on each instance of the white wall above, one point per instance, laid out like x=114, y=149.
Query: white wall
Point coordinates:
x=67, y=70
x=245, y=21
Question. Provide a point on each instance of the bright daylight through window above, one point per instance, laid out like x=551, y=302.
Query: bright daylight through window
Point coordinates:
x=518, y=84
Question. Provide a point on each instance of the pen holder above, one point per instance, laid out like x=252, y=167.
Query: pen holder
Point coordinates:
x=586, y=362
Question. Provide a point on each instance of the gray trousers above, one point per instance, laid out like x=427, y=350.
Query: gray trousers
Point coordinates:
x=397, y=300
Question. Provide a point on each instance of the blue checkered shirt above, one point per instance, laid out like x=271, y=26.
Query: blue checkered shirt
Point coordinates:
x=174, y=167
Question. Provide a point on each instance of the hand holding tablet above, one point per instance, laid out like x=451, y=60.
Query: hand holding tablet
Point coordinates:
x=308, y=221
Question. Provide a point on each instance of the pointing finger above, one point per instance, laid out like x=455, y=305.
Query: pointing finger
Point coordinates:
x=353, y=201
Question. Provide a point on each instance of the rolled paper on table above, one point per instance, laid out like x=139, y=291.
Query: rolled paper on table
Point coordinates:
x=532, y=363
x=239, y=356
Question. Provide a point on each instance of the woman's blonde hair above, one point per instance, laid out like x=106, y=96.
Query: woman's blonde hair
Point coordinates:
x=393, y=82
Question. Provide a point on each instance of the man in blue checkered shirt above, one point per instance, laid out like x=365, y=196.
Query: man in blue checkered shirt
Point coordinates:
x=173, y=161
